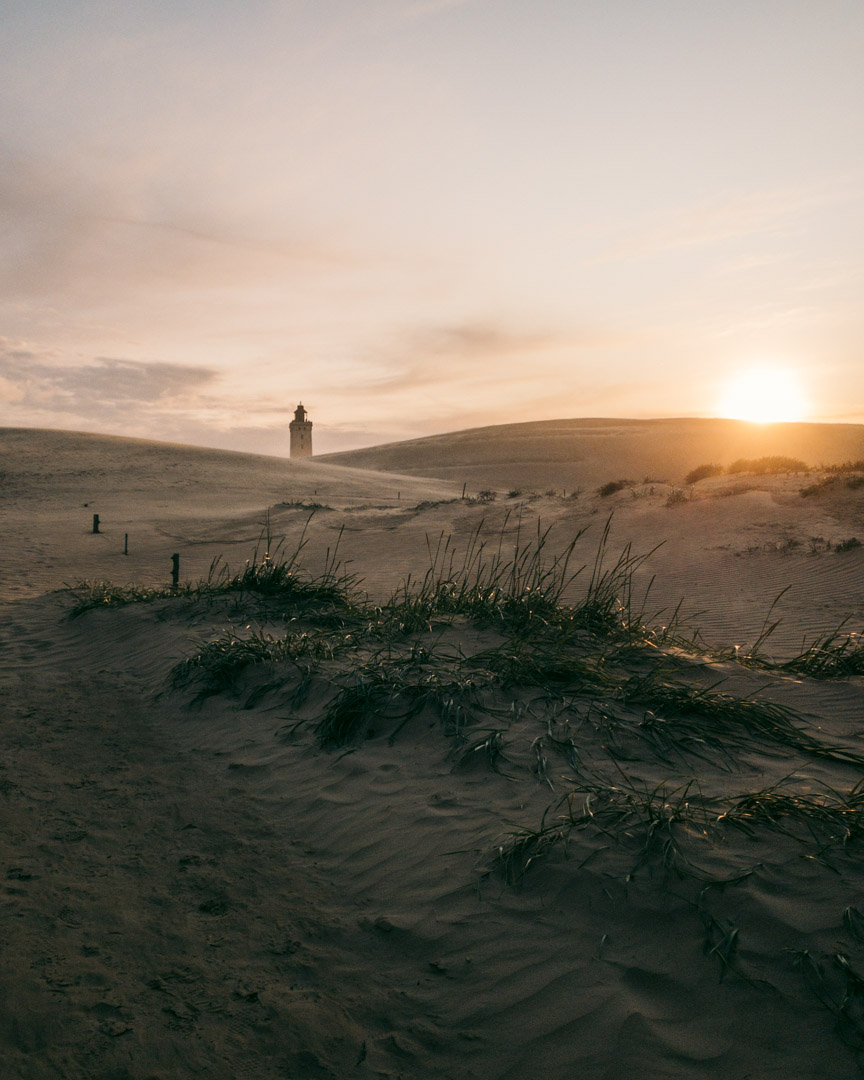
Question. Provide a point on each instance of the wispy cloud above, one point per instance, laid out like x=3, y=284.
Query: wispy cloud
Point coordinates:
x=97, y=236
x=103, y=386
x=471, y=353
x=732, y=218
x=768, y=316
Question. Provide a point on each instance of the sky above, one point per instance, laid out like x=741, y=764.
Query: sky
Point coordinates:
x=419, y=216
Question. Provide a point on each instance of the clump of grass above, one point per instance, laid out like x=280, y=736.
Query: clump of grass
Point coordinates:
x=219, y=662
x=275, y=572
x=352, y=708
x=664, y=820
x=488, y=745
x=431, y=504
x=666, y=738
x=614, y=486
x=542, y=663
x=846, y=467
x=271, y=573
x=764, y=466
x=815, y=489
x=834, y=655
x=827, y=817
x=559, y=739
x=724, y=715
x=552, y=642
x=656, y=820
x=487, y=584
x=516, y=852
x=607, y=609
x=90, y=595
x=832, y=483
x=702, y=472
x=299, y=504
x=676, y=497
x=399, y=686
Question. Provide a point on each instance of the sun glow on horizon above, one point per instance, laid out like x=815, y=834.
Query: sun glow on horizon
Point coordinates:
x=764, y=396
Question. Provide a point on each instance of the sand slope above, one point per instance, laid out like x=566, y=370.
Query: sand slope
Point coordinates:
x=569, y=454
x=165, y=497
x=202, y=890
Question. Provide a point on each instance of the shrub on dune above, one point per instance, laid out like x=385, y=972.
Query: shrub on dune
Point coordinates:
x=702, y=472
x=614, y=486
x=765, y=466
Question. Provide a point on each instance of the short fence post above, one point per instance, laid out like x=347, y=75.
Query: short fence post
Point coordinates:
x=175, y=571
x=95, y=523
x=126, y=543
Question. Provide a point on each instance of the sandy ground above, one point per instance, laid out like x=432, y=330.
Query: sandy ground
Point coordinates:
x=200, y=890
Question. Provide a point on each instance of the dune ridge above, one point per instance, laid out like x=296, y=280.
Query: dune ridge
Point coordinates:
x=566, y=454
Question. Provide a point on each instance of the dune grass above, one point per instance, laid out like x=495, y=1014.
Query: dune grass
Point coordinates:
x=546, y=665
x=397, y=686
x=220, y=661
x=502, y=581
x=612, y=487
x=273, y=572
x=651, y=818
x=836, y=654
x=668, y=821
x=89, y=595
x=765, y=466
x=703, y=472
x=829, y=817
x=722, y=716
x=554, y=674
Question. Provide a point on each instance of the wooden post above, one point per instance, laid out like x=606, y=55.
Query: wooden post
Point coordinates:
x=175, y=571
x=465, y=485
x=125, y=543
x=95, y=523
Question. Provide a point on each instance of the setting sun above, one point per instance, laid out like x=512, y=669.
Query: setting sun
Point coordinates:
x=764, y=396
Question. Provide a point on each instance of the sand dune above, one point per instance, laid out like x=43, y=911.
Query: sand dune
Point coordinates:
x=164, y=497
x=195, y=886
x=569, y=454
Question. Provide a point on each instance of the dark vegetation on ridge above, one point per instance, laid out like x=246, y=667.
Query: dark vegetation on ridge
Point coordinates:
x=764, y=466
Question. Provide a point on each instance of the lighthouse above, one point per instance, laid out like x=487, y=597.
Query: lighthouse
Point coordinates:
x=301, y=434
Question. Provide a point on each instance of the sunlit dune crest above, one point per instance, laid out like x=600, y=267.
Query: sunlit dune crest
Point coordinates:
x=764, y=396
